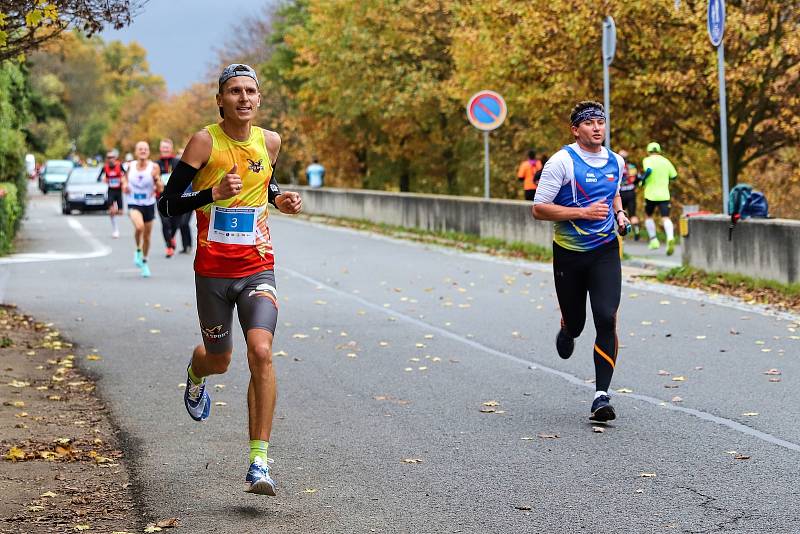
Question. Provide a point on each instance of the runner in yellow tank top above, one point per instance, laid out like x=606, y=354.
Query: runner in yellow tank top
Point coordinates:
x=229, y=166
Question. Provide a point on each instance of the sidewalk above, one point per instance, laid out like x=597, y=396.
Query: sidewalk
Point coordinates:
x=641, y=256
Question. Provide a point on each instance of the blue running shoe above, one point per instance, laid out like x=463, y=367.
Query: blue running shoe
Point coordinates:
x=197, y=400
x=145, y=270
x=137, y=258
x=602, y=411
x=258, y=480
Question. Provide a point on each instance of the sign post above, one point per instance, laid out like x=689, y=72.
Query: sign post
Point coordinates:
x=716, y=32
x=609, y=49
x=486, y=111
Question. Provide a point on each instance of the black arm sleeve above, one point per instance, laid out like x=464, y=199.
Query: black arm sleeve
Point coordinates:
x=273, y=190
x=175, y=200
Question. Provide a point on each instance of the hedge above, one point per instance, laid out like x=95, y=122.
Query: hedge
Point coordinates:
x=10, y=216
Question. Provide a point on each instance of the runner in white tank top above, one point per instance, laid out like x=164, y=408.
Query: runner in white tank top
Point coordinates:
x=141, y=185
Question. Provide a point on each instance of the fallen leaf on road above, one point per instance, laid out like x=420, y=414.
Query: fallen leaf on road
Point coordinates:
x=523, y=507
x=647, y=475
x=741, y=457
x=639, y=491
x=549, y=436
x=93, y=357
x=220, y=403
x=300, y=336
x=383, y=343
x=81, y=527
x=679, y=379
x=15, y=454
x=49, y=494
x=407, y=369
x=151, y=528
x=280, y=353
x=412, y=460
x=155, y=331
x=772, y=372
x=774, y=379
x=491, y=403
x=662, y=372
x=18, y=384
x=526, y=438
x=219, y=386
x=700, y=337
x=320, y=302
x=647, y=323
x=626, y=390
x=598, y=429
x=750, y=414
x=677, y=399
x=35, y=508
x=664, y=302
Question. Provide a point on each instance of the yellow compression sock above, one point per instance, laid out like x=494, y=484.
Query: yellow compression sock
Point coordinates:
x=258, y=449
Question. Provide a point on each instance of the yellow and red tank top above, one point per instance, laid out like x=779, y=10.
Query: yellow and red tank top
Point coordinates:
x=233, y=238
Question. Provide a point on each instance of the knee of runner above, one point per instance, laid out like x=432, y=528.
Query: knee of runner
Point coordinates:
x=260, y=355
x=605, y=322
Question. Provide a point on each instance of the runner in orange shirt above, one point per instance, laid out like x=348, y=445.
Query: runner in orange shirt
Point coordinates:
x=527, y=174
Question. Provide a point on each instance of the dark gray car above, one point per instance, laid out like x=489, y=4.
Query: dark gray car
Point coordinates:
x=84, y=191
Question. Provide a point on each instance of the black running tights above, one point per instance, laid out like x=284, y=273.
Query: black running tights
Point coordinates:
x=597, y=272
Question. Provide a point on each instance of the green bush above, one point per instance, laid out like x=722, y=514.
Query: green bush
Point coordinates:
x=10, y=216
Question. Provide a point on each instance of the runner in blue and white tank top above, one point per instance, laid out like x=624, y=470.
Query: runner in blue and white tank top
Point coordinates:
x=141, y=184
x=579, y=192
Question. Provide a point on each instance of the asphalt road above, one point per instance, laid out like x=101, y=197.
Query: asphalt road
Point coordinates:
x=386, y=351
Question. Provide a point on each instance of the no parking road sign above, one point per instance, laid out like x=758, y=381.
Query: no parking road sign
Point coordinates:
x=486, y=110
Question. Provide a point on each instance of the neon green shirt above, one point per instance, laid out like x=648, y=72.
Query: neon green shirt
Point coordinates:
x=656, y=187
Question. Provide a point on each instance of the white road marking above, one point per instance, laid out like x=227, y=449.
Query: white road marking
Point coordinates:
x=98, y=249
x=572, y=379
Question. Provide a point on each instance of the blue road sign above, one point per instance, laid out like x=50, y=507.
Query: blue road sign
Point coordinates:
x=486, y=110
x=716, y=21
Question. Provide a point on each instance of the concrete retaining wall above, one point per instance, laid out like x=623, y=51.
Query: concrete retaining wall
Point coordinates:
x=761, y=248
x=510, y=220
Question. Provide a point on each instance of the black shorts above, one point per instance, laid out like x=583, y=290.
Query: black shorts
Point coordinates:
x=115, y=197
x=628, y=202
x=530, y=194
x=651, y=205
x=148, y=212
x=254, y=297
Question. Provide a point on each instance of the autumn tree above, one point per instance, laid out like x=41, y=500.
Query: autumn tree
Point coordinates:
x=26, y=24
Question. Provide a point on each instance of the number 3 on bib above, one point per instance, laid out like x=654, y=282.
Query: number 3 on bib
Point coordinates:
x=234, y=226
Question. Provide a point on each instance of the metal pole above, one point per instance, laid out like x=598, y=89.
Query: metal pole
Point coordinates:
x=486, y=164
x=607, y=100
x=723, y=124
x=607, y=81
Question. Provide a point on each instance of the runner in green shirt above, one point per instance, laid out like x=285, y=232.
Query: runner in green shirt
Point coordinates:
x=658, y=173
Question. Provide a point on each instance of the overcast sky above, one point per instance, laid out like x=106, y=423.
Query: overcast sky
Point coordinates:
x=180, y=35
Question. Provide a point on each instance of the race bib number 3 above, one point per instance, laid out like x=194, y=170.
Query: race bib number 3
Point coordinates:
x=234, y=226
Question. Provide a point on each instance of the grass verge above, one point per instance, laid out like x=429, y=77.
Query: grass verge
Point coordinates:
x=751, y=290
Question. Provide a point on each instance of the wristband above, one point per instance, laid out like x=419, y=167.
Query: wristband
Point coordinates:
x=616, y=213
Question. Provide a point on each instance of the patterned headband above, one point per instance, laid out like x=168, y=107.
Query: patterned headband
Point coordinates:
x=589, y=114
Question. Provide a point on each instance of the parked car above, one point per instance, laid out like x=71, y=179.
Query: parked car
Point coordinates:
x=54, y=174
x=83, y=191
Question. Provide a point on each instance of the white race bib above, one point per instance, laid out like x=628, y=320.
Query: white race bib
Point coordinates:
x=234, y=226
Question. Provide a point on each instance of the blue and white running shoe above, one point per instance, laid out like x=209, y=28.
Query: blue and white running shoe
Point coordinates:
x=137, y=258
x=145, y=270
x=258, y=480
x=197, y=400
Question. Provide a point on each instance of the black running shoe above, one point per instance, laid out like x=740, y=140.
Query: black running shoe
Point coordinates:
x=565, y=344
x=602, y=411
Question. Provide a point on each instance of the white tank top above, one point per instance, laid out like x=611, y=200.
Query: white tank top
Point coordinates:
x=142, y=185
